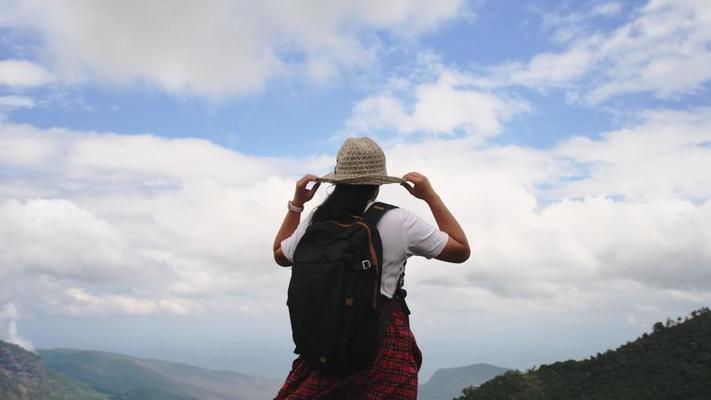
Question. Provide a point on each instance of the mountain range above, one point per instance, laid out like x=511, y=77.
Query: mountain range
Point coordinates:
x=82, y=375
x=672, y=362
x=64, y=374
x=447, y=383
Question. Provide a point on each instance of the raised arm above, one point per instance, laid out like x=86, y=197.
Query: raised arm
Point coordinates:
x=292, y=218
x=457, y=248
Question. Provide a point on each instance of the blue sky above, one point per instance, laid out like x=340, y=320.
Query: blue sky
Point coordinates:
x=146, y=153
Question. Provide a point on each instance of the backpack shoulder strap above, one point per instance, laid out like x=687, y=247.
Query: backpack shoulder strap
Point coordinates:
x=376, y=211
x=373, y=215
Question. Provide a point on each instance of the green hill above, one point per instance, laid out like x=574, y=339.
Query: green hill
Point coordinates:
x=132, y=378
x=671, y=363
x=23, y=376
x=446, y=383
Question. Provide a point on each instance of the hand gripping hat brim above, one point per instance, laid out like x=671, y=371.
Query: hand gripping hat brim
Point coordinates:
x=360, y=161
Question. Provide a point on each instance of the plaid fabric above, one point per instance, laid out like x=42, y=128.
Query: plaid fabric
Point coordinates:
x=392, y=376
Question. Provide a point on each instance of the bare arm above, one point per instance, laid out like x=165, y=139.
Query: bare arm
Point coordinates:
x=457, y=248
x=292, y=218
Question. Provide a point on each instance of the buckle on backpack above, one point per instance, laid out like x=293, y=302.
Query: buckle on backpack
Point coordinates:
x=366, y=265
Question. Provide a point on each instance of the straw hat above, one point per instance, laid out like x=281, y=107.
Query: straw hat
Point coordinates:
x=360, y=161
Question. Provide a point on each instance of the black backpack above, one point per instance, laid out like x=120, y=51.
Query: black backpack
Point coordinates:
x=334, y=293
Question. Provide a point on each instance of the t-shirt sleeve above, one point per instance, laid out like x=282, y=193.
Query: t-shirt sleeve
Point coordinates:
x=421, y=238
x=288, y=245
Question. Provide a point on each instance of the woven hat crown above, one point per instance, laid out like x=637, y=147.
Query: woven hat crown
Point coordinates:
x=360, y=161
x=360, y=156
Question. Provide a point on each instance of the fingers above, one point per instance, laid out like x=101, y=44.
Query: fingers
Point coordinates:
x=418, y=186
x=306, y=179
x=306, y=188
x=407, y=186
x=414, y=177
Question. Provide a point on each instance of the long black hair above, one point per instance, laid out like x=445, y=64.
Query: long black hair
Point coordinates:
x=344, y=201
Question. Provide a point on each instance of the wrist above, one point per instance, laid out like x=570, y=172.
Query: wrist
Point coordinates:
x=432, y=199
x=295, y=207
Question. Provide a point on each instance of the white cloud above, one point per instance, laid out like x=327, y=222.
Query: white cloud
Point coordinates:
x=565, y=25
x=23, y=74
x=607, y=9
x=22, y=145
x=662, y=156
x=665, y=49
x=447, y=105
x=662, y=243
x=80, y=302
x=55, y=237
x=108, y=158
x=545, y=70
x=217, y=48
x=15, y=101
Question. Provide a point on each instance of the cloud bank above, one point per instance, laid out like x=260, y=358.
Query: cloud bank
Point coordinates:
x=216, y=48
x=183, y=224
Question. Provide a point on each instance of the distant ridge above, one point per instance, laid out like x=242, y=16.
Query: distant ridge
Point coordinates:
x=671, y=363
x=131, y=378
x=24, y=377
x=447, y=383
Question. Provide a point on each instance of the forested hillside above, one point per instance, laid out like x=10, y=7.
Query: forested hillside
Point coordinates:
x=673, y=362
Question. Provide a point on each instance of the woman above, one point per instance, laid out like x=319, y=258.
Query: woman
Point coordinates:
x=360, y=169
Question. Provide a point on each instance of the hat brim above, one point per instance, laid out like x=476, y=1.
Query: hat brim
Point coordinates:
x=360, y=179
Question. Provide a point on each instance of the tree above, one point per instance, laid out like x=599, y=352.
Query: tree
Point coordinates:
x=658, y=327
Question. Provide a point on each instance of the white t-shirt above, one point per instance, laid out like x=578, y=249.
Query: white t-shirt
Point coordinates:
x=402, y=233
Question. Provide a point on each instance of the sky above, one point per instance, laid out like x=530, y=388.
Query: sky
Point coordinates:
x=147, y=151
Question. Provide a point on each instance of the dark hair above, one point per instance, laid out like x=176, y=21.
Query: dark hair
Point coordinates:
x=344, y=201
